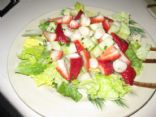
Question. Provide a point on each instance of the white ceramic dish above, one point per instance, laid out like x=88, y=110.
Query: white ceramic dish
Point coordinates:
x=47, y=102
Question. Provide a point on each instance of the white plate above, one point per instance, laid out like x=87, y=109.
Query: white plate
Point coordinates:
x=47, y=102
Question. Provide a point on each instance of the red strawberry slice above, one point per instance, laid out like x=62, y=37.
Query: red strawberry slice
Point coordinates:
x=66, y=19
x=124, y=58
x=58, y=20
x=97, y=19
x=110, y=54
x=76, y=64
x=109, y=19
x=78, y=45
x=74, y=24
x=85, y=56
x=78, y=16
x=60, y=35
x=49, y=36
x=106, y=67
x=56, y=55
x=128, y=75
x=62, y=69
x=123, y=45
x=106, y=25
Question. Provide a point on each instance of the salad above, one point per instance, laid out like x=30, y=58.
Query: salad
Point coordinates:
x=85, y=54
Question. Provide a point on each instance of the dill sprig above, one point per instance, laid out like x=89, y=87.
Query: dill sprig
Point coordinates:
x=132, y=22
x=97, y=101
x=120, y=102
x=135, y=29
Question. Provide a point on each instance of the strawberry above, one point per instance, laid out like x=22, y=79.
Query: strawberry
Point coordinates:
x=62, y=69
x=85, y=56
x=60, y=34
x=110, y=54
x=78, y=16
x=123, y=45
x=124, y=58
x=56, y=55
x=66, y=19
x=49, y=36
x=78, y=45
x=76, y=64
x=106, y=25
x=97, y=19
x=58, y=20
x=109, y=19
x=106, y=67
x=128, y=75
x=74, y=24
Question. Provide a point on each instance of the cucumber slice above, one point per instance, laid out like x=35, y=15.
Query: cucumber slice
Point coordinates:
x=55, y=45
x=88, y=44
x=96, y=52
x=51, y=27
x=96, y=26
x=69, y=49
x=66, y=11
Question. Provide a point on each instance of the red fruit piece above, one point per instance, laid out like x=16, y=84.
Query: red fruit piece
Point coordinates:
x=106, y=67
x=62, y=69
x=128, y=75
x=76, y=64
x=106, y=25
x=125, y=59
x=74, y=24
x=78, y=16
x=85, y=56
x=49, y=36
x=56, y=55
x=79, y=46
x=66, y=19
x=58, y=20
x=123, y=45
x=109, y=19
x=97, y=19
x=60, y=34
x=110, y=54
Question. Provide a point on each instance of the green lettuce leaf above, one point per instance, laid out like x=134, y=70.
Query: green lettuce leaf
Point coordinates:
x=105, y=87
x=69, y=90
x=135, y=61
x=49, y=77
x=34, y=57
x=79, y=6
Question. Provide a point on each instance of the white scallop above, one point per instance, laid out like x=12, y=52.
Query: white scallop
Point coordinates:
x=119, y=66
x=68, y=32
x=85, y=21
x=76, y=35
x=99, y=33
x=93, y=62
x=84, y=31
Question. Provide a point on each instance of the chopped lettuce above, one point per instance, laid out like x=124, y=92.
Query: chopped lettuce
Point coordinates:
x=79, y=6
x=69, y=90
x=121, y=25
x=143, y=51
x=48, y=77
x=32, y=42
x=122, y=17
x=44, y=25
x=135, y=61
x=124, y=31
x=34, y=58
x=110, y=87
